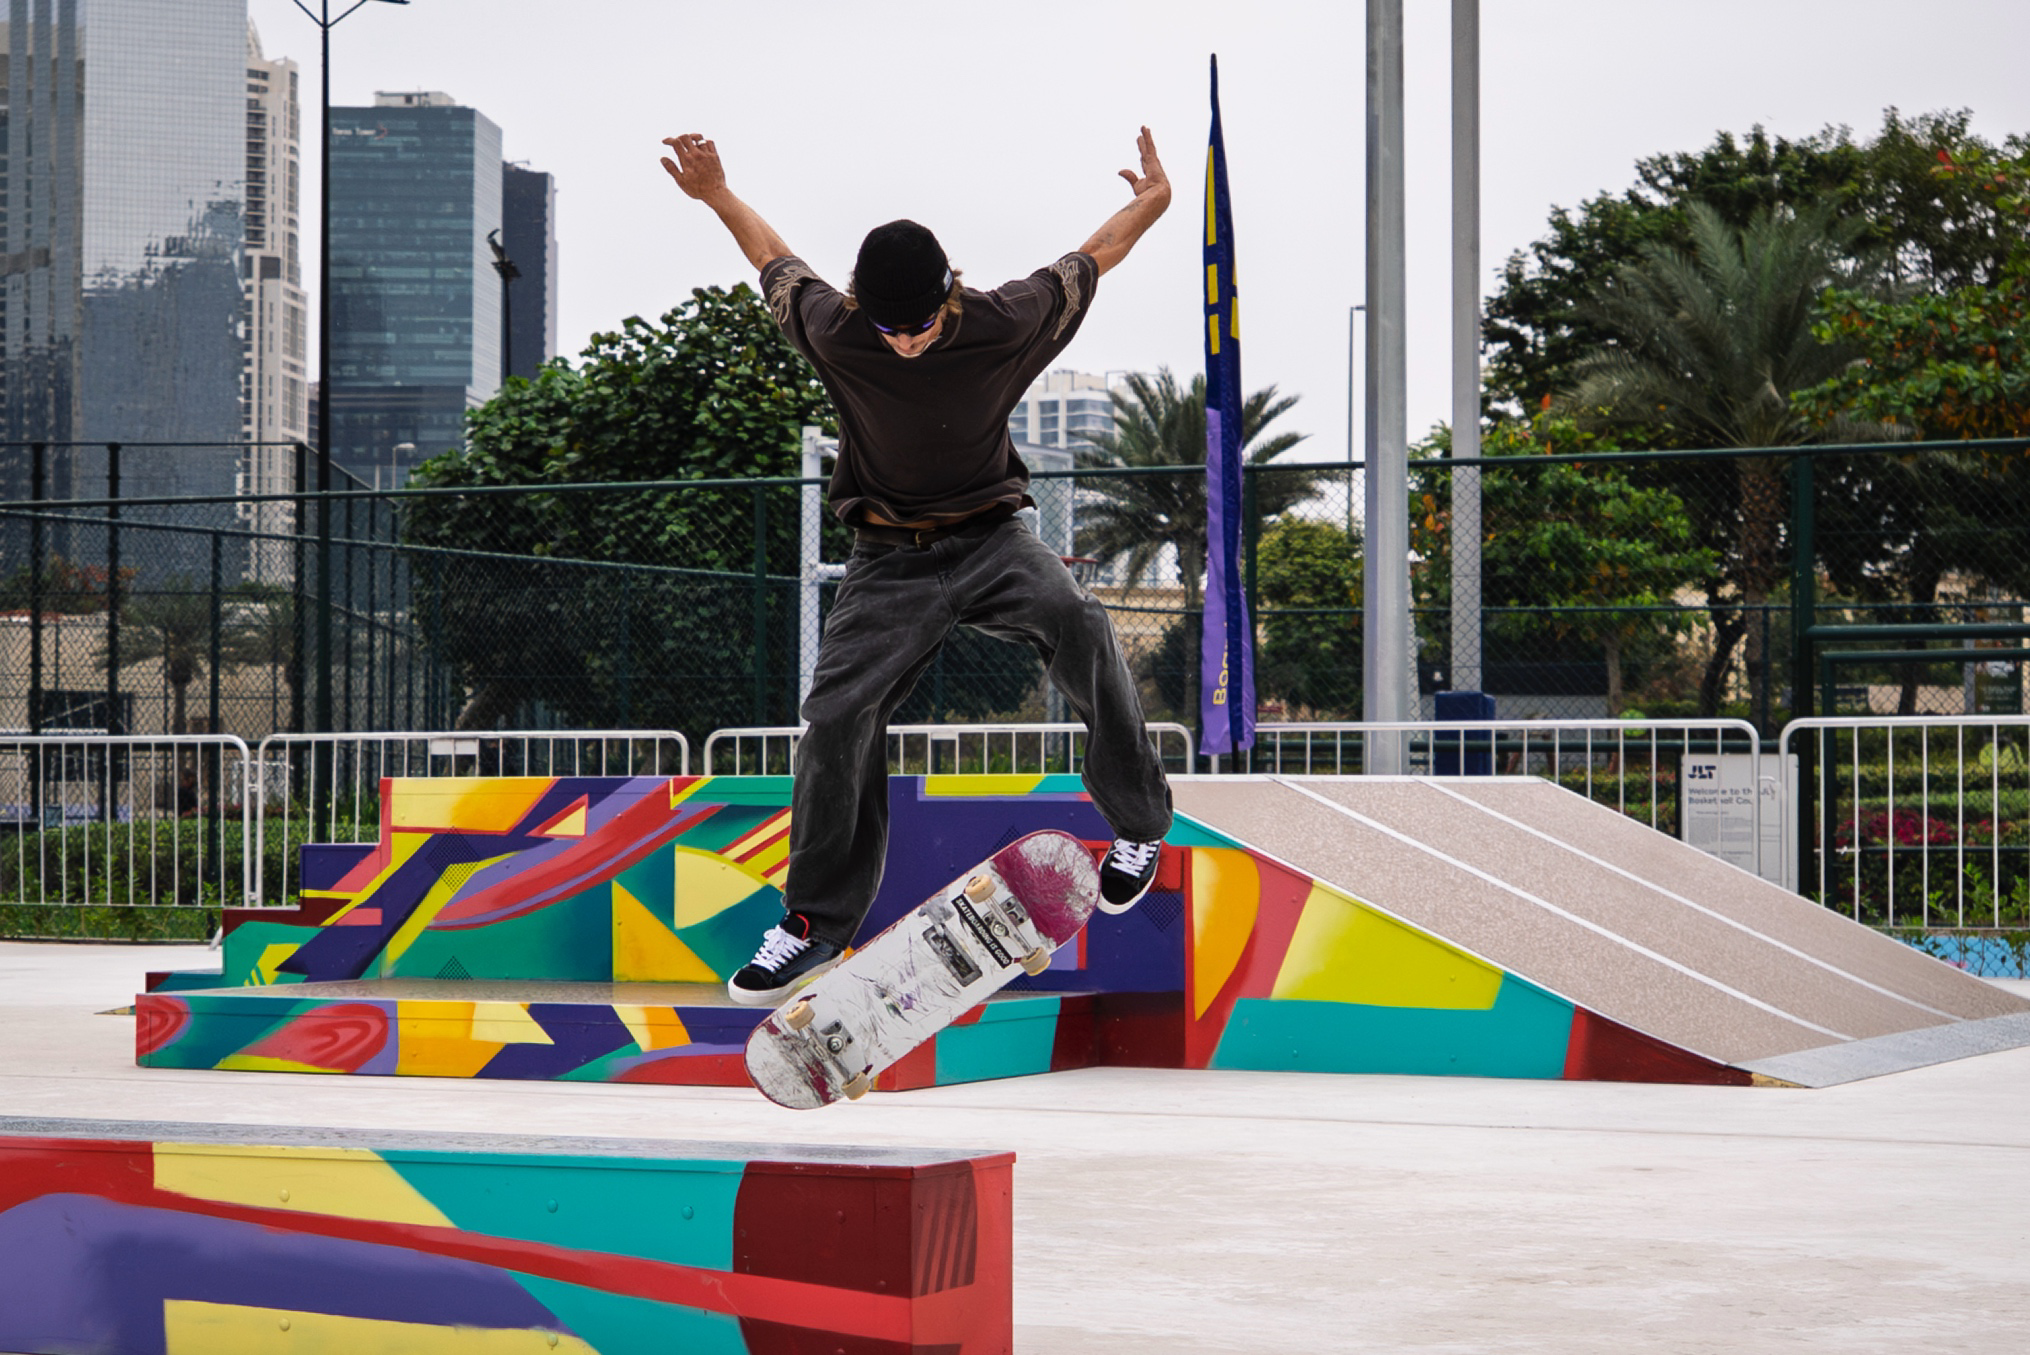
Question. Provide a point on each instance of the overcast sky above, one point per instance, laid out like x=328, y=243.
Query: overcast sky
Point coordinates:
x=1001, y=127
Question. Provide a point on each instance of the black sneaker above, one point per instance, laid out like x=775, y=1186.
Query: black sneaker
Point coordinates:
x=785, y=962
x=1127, y=873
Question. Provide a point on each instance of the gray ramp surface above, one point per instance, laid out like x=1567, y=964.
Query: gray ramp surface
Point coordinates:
x=1768, y=909
x=1672, y=923
x=1547, y=945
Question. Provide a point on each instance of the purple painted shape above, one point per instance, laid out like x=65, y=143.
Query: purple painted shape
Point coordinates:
x=78, y=1273
x=579, y=1033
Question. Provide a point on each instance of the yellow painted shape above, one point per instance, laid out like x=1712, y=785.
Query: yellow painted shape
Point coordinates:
x=571, y=825
x=1344, y=951
x=468, y=804
x=653, y=1027
x=645, y=951
x=261, y=1063
x=436, y=1040
x=446, y=889
x=506, y=1023
x=1000, y=784
x=344, y=1183
x=707, y=884
x=765, y=863
x=191, y=1327
x=679, y=794
x=269, y=966
x=1226, y=896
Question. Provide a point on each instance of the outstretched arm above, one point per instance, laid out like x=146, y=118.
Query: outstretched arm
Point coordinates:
x=1112, y=241
x=698, y=172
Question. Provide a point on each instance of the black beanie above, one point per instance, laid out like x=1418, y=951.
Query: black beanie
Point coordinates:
x=902, y=275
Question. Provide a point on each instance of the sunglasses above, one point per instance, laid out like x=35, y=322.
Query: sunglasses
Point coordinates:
x=904, y=330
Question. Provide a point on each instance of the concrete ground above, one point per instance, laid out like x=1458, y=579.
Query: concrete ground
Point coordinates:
x=1190, y=1213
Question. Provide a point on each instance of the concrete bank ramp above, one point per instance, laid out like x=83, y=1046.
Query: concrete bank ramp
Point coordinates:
x=1616, y=917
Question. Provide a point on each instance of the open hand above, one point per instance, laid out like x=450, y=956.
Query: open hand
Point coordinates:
x=1152, y=179
x=697, y=169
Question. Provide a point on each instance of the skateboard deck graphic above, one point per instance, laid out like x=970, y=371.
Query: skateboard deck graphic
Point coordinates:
x=944, y=957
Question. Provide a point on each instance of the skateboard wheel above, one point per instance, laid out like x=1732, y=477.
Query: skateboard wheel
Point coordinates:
x=980, y=888
x=1035, y=962
x=856, y=1086
x=800, y=1015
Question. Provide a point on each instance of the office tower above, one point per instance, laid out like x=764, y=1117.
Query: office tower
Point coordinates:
x=416, y=332
x=529, y=234
x=121, y=301
x=275, y=385
x=1060, y=408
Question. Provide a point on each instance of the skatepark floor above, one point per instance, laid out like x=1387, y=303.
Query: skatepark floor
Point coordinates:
x=1192, y=1212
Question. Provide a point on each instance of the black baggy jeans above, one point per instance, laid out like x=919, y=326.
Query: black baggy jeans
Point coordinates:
x=894, y=609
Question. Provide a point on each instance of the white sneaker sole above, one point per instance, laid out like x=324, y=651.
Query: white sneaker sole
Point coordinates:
x=1118, y=908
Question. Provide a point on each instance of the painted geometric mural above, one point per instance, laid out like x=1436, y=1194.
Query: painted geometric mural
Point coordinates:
x=195, y=1240
x=644, y=894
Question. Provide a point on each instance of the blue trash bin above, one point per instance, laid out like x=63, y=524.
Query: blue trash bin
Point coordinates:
x=1449, y=756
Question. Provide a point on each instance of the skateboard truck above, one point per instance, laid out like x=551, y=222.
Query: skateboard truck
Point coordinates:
x=981, y=888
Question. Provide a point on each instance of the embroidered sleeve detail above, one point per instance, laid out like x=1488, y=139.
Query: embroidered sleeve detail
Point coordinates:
x=1068, y=275
x=782, y=291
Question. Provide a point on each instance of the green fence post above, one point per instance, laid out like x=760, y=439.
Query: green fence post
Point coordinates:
x=113, y=599
x=1251, y=533
x=37, y=454
x=760, y=606
x=214, y=758
x=625, y=657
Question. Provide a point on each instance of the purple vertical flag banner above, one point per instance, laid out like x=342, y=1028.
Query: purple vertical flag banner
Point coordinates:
x=1227, y=648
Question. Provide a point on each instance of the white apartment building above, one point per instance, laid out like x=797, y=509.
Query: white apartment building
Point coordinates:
x=1062, y=408
x=274, y=383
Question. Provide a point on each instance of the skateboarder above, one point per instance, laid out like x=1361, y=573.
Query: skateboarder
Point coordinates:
x=923, y=372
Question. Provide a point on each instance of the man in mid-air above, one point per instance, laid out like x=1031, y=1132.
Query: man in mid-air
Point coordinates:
x=923, y=373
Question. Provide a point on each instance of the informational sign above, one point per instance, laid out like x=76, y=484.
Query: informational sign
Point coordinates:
x=1717, y=802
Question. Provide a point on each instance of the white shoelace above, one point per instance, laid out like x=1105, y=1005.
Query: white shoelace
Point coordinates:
x=1134, y=857
x=778, y=948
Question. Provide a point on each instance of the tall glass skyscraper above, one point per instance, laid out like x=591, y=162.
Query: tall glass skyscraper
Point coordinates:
x=416, y=322
x=120, y=273
x=529, y=234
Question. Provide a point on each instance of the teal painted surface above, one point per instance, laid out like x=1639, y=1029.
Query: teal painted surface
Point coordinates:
x=1189, y=832
x=244, y=945
x=1523, y=1035
x=614, y=1324
x=570, y=940
x=749, y=790
x=726, y=940
x=222, y=1026
x=628, y=1208
x=1010, y=1039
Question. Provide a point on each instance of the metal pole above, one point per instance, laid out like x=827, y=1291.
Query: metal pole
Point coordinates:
x=809, y=559
x=760, y=606
x=1466, y=631
x=113, y=599
x=1386, y=653
x=37, y=457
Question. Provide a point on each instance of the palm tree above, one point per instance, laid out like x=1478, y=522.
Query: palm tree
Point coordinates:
x=1133, y=517
x=1712, y=343
x=171, y=626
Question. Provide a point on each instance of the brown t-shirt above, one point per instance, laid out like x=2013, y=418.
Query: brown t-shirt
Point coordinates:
x=926, y=438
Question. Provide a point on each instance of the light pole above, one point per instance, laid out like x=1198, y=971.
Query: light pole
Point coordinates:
x=504, y=266
x=321, y=16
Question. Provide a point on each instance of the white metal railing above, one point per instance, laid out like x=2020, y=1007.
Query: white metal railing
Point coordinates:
x=1633, y=765
x=934, y=750
x=101, y=820
x=1912, y=809
x=326, y=787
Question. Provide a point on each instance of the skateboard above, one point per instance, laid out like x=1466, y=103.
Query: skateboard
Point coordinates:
x=939, y=961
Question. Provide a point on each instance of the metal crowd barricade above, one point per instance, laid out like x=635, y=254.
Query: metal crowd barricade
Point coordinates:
x=1890, y=791
x=326, y=787
x=1027, y=748
x=140, y=820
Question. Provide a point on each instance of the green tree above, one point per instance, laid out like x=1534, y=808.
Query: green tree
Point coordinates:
x=1929, y=233
x=1712, y=343
x=519, y=594
x=1133, y=518
x=1309, y=575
